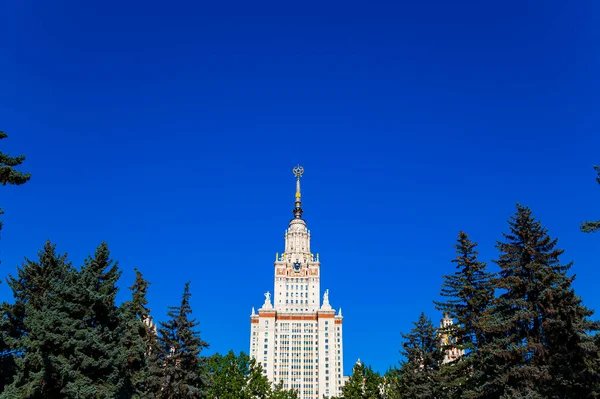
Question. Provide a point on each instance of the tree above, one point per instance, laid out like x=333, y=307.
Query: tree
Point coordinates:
x=587, y=226
x=8, y=173
x=537, y=341
x=101, y=358
x=278, y=392
x=469, y=292
x=70, y=329
x=139, y=344
x=184, y=372
x=236, y=377
x=364, y=383
x=418, y=374
x=35, y=339
x=35, y=280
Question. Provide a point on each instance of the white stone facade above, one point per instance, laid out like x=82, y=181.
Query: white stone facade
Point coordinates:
x=451, y=353
x=295, y=338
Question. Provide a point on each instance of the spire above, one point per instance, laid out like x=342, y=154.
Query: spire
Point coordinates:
x=298, y=172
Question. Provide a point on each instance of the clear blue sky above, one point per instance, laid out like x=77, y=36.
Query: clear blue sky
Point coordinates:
x=169, y=129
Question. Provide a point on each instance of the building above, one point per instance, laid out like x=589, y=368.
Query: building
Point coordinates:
x=451, y=353
x=296, y=338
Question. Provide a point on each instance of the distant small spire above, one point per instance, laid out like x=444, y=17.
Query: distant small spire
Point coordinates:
x=340, y=312
x=298, y=172
x=253, y=312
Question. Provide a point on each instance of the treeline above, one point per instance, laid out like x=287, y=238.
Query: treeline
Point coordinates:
x=65, y=337
x=518, y=333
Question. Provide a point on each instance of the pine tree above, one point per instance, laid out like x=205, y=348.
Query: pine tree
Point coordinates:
x=8, y=173
x=364, y=383
x=587, y=226
x=536, y=331
x=418, y=374
x=469, y=292
x=184, y=372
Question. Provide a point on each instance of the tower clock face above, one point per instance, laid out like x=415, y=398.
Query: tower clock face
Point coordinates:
x=297, y=266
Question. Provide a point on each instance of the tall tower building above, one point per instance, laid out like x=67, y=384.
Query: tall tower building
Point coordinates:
x=296, y=338
x=451, y=353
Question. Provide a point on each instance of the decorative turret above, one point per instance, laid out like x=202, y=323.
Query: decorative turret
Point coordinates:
x=448, y=341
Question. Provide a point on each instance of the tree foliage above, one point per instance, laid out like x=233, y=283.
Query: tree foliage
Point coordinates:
x=67, y=344
x=236, y=377
x=468, y=294
x=418, y=377
x=364, y=383
x=8, y=173
x=587, y=226
x=537, y=341
x=184, y=372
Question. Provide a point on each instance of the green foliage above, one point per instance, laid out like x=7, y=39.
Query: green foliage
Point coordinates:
x=587, y=226
x=139, y=344
x=364, y=383
x=418, y=374
x=536, y=331
x=184, y=372
x=67, y=337
x=278, y=392
x=469, y=292
x=236, y=377
x=8, y=173
x=239, y=377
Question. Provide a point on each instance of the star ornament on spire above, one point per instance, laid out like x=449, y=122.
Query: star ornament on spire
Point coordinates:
x=298, y=171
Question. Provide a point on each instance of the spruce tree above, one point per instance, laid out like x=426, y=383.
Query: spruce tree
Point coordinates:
x=418, y=374
x=100, y=357
x=69, y=346
x=184, y=371
x=40, y=327
x=469, y=292
x=587, y=226
x=8, y=173
x=139, y=344
x=537, y=341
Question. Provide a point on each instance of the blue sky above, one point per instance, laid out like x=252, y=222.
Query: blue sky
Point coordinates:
x=170, y=130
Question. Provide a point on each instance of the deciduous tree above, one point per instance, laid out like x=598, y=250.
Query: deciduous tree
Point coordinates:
x=364, y=383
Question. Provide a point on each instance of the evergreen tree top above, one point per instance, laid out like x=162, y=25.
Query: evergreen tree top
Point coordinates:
x=587, y=226
x=8, y=174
